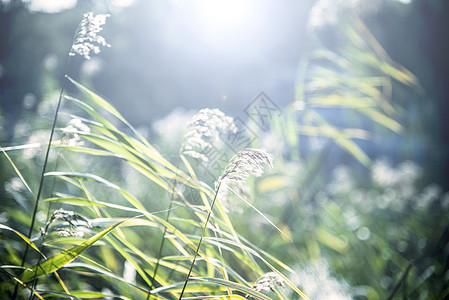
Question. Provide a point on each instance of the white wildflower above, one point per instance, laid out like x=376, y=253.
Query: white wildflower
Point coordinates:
x=247, y=162
x=86, y=36
x=269, y=281
x=205, y=129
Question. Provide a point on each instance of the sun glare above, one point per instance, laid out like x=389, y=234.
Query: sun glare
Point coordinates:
x=229, y=19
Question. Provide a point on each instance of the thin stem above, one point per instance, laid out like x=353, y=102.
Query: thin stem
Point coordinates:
x=403, y=278
x=201, y=239
x=41, y=182
x=161, y=247
x=41, y=247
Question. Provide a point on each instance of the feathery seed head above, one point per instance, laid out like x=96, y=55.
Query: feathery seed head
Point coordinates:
x=247, y=162
x=71, y=132
x=86, y=36
x=205, y=128
x=69, y=232
x=268, y=282
x=67, y=216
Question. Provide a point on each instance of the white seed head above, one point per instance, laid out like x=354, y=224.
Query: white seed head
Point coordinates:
x=204, y=129
x=69, y=232
x=68, y=216
x=247, y=162
x=268, y=281
x=86, y=36
x=72, y=131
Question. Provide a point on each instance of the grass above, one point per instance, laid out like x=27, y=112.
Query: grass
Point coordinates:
x=172, y=226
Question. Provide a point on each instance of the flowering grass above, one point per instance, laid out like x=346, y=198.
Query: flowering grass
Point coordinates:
x=117, y=218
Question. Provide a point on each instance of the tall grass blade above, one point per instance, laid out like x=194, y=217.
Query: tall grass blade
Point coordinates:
x=17, y=171
x=22, y=236
x=57, y=261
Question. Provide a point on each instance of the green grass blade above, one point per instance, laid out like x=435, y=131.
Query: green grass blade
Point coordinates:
x=235, y=286
x=57, y=261
x=98, y=100
x=89, y=268
x=27, y=240
x=17, y=171
x=382, y=119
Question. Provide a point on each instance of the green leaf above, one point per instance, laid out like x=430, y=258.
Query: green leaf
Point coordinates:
x=235, y=286
x=111, y=276
x=99, y=100
x=95, y=178
x=57, y=261
x=382, y=119
x=17, y=171
x=22, y=236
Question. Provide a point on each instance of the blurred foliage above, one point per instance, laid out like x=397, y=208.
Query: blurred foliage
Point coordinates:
x=347, y=225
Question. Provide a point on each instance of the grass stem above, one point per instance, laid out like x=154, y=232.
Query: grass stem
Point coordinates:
x=201, y=239
x=41, y=181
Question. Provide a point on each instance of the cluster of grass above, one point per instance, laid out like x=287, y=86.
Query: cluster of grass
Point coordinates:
x=112, y=216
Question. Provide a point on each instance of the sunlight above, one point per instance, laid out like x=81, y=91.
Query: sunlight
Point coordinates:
x=229, y=19
x=51, y=6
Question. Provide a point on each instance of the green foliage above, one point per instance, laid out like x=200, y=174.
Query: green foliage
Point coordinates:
x=160, y=230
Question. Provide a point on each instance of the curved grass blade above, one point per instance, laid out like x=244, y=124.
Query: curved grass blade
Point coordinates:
x=57, y=261
x=33, y=291
x=261, y=214
x=227, y=297
x=126, y=145
x=191, y=288
x=86, y=267
x=98, y=100
x=96, y=178
x=17, y=170
x=49, y=295
x=256, y=254
x=235, y=286
x=27, y=240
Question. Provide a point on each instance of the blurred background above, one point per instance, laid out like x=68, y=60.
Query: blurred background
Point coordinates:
x=170, y=58
x=169, y=54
